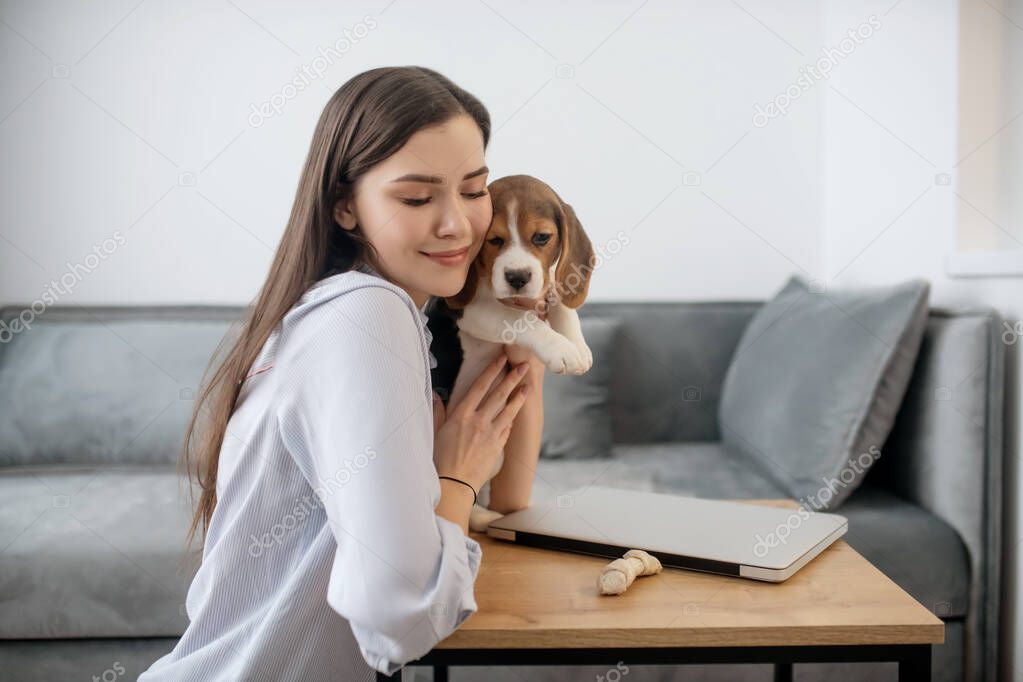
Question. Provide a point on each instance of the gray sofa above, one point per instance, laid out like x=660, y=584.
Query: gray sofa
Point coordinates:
x=93, y=402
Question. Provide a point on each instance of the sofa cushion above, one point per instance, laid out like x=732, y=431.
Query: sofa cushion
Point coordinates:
x=93, y=553
x=657, y=466
x=102, y=391
x=664, y=348
x=576, y=417
x=109, y=660
x=722, y=472
x=814, y=386
x=933, y=568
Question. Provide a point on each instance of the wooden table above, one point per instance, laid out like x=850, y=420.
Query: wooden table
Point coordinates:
x=541, y=607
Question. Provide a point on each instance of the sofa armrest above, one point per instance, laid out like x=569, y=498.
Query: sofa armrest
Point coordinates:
x=946, y=450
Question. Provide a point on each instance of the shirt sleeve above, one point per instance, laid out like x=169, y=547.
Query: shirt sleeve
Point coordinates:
x=355, y=411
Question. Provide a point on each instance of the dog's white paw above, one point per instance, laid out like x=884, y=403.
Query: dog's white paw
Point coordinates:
x=561, y=356
x=480, y=518
x=587, y=355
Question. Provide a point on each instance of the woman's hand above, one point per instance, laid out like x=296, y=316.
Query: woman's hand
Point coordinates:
x=516, y=355
x=438, y=412
x=534, y=377
x=471, y=437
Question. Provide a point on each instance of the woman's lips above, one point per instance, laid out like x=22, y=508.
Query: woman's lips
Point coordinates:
x=457, y=259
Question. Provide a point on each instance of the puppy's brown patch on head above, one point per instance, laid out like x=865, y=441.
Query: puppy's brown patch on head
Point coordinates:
x=544, y=225
x=536, y=208
x=540, y=211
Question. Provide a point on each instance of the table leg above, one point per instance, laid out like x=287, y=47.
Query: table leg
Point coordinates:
x=916, y=666
x=782, y=672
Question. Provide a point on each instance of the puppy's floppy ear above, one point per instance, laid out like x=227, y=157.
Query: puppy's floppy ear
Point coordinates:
x=572, y=275
x=468, y=292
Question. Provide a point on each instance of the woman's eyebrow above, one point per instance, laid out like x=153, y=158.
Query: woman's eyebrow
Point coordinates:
x=436, y=179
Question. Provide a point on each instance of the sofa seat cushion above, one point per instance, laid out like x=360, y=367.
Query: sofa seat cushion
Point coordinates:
x=920, y=552
x=657, y=467
x=93, y=552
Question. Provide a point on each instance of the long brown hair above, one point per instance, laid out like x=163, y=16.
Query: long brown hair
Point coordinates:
x=369, y=118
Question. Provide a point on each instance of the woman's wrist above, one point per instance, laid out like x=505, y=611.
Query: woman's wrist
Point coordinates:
x=456, y=502
x=462, y=482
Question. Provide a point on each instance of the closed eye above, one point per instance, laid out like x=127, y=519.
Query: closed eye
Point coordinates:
x=421, y=202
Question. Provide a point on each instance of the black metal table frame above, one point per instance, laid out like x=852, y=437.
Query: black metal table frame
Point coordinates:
x=914, y=659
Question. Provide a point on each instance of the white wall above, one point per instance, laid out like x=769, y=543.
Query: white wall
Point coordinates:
x=652, y=96
x=132, y=123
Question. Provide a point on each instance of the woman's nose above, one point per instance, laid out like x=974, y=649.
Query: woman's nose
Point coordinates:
x=455, y=223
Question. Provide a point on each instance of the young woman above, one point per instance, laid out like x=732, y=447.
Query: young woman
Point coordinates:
x=334, y=499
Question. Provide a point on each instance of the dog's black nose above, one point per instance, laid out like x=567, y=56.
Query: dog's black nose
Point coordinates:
x=517, y=278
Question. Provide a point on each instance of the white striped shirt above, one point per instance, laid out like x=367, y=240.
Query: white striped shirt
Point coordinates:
x=325, y=557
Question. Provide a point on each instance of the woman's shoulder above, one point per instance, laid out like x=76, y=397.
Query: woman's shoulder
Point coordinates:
x=336, y=316
x=338, y=285
x=352, y=305
x=350, y=293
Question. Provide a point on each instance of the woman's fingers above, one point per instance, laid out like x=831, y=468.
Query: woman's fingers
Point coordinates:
x=507, y=416
x=517, y=353
x=496, y=401
x=471, y=401
x=438, y=412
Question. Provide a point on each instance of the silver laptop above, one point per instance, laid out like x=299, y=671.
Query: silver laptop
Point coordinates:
x=731, y=538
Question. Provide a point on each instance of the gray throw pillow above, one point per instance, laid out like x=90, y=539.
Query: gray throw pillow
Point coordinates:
x=816, y=381
x=576, y=419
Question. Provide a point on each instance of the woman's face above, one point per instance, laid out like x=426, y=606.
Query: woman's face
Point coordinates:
x=429, y=197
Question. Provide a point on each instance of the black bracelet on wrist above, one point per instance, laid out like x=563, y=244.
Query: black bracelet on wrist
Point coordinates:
x=451, y=478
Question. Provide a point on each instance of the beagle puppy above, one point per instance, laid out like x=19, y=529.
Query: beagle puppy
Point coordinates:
x=528, y=279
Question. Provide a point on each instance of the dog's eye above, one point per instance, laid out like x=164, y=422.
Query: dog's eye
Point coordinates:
x=541, y=238
x=496, y=241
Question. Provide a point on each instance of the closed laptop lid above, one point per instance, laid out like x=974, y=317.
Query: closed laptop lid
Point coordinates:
x=602, y=521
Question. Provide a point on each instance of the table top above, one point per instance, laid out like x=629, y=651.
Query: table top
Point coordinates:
x=536, y=598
